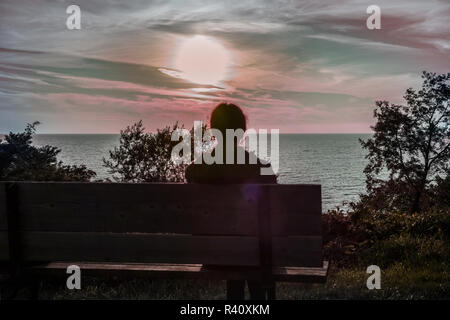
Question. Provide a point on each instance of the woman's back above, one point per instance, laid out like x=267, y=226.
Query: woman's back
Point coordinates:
x=229, y=173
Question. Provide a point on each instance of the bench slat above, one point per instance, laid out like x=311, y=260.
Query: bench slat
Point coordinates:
x=174, y=208
x=296, y=199
x=296, y=224
x=189, y=271
x=297, y=251
x=174, y=248
x=133, y=247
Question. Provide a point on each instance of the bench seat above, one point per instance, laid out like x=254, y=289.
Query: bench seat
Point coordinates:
x=180, y=271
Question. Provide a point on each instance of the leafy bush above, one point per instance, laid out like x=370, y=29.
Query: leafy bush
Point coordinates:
x=352, y=237
x=146, y=157
x=408, y=249
x=20, y=160
x=340, y=237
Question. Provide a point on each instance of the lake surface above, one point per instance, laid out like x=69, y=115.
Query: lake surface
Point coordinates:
x=336, y=161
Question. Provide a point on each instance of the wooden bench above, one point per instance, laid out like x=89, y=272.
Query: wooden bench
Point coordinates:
x=255, y=232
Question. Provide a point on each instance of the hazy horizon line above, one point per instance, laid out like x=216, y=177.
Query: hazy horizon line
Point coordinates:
x=118, y=133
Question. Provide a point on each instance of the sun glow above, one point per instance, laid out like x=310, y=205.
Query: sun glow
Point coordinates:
x=202, y=60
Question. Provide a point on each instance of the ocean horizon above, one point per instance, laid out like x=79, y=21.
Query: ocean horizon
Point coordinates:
x=336, y=161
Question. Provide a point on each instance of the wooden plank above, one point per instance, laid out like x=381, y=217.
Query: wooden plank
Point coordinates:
x=296, y=224
x=133, y=218
x=296, y=209
x=170, y=271
x=302, y=274
x=174, y=208
x=297, y=251
x=134, y=247
x=190, y=271
x=4, y=248
x=296, y=199
x=155, y=248
x=3, y=220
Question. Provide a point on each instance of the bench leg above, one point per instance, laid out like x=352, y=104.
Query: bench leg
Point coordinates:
x=9, y=287
x=34, y=289
x=12, y=285
x=257, y=290
x=235, y=289
x=271, y=292
x=260, y=291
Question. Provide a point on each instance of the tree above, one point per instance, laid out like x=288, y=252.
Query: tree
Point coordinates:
x=411, y=143
x=20, y=160
x=146, y=157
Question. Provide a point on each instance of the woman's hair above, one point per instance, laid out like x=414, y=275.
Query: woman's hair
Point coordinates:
x=228, y=116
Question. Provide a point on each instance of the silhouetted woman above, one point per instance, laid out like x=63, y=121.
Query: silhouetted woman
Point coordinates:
x=229, y=116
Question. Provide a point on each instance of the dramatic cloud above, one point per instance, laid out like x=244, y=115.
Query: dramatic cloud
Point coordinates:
x=301, y=66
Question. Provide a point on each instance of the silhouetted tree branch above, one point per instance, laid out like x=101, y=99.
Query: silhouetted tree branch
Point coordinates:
x=411, y=143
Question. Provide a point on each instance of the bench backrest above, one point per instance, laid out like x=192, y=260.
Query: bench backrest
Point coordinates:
x=161, y=223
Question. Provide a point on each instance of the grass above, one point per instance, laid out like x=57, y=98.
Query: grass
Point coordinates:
x=397, y=282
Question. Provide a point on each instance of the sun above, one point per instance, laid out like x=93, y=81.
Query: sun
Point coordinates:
x=202, y=60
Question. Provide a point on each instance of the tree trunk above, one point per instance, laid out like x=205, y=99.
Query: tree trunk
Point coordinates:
x=416, y=204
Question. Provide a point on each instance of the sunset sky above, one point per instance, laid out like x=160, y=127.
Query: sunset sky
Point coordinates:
x=300, y=66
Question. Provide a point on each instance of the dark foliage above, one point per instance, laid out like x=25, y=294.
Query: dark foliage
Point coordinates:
x=411, y=144
x=405, y=215
x=364, y=237
x=146, y=157
x=21, y=161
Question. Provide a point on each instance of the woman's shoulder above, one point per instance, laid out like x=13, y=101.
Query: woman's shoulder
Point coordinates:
x=254, y=170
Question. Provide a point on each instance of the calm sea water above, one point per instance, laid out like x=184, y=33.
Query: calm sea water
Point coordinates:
x=336, y=161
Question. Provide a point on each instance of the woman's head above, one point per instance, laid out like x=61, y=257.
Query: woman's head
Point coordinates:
x=228, y=116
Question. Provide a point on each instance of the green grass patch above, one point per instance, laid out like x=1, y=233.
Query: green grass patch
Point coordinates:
x=398, y=281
